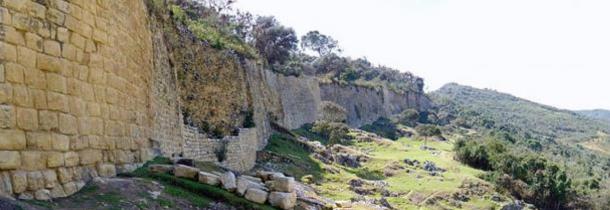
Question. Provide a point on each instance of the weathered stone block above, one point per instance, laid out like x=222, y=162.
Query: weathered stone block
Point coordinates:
x=158, y=168
x=35, y=180
x=208, y=178
x=7, y=117
x=77, y=40
x=56, y=16
x=244, y=184
x=71, y=159
x=35, y=78
x=40, y=99
x=69, y=52
x=48, y=120
x=6, y=186
x=22, y=97
x=14, y=73
x=90, y=156
x=57, y=83
x=9, y=160
x=27, y=119
x=256, y=195
x=228, y=181
x=67, y=124
x=12, y=140
x=50, y=179
x=33, y=160
x=20, y=181
x=63, y=35
x=48, y=63
x=52, y=48
x=65, y=175
x=55, y=159
x=283, y=200
x=186, y=172
x=6, y=92
x=13, y=36
x=38, y=140
x=18, y=5
x=58, y=192
x=70, y=188
x=61, y=142
x=26, y=57
x=42, y=195
x=58, y=102
x=106, y=170
x=9, y=52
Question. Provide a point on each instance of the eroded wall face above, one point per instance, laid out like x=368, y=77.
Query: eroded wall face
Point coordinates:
x=75, y=94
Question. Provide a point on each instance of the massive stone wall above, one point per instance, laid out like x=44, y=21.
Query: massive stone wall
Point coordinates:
x=74, y=88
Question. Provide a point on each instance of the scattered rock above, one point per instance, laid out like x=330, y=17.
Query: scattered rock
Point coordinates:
x=228, y=181
x=158, y=168
x=283, y=184
x=268, y=175
x=356, y=183
x=26, y=196
x=43, y=195
x=517, y=205
x=431, y=166
x=256, y=195
x=244, y=184
x=343, y=204
x=209, y=179
x=283, y=200
x=424, y=147
x=411, y=162
x=186, y=172
x=347, y=160
x=385, y=203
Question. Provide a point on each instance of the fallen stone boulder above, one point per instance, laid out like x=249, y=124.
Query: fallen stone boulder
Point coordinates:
x=282, y=184
x=268, y=175
x=186, y=172
x=244, y=184
x=209, y=179
x=158, y=168
x=228, y=181
x=256, y=195
x=283, y=200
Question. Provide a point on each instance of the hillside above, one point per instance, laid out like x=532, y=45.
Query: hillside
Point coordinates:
x=600, y=114
x=575, y=142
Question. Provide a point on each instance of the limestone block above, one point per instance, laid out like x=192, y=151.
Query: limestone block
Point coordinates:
x=56, y=17
x=244, y=184
x=67, y=124
x=9, y=160
x=58, y=192
x=77, y=40
x=48, y=63
x=35, y=78
x=9, y=52
x=48, y=120
x=90, y=156
x=209, y=179
x=38, y=140
x=106, y=170
x=57, y=83
x=33, y=160
x=33, y=42
x=12, y=140
x=18, y=5
x=256, y=195
x=14, y=73
x=70, y=188
x=268, y=175
x=63, y=35
x=22, y=97
x=186, y=172
x=55, y=159
x=20, y=181
x=13, y=36
x=6, y=187
x=6, y=91
x=25, y=57
x=52, y=48
x=26, y=196
x=35, y=180
x=40, y=99
x=283, y=200
x=158, y=168
x=7, y=117
x=65, y=175
x=228, y=181
x=5, y=16
x=42, y=195
x=60, y=142
x=50, y=178
x=27, y=119
x=71, y=159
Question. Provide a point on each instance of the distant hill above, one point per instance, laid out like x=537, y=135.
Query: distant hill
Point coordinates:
x=600, y=114
x=529, y=119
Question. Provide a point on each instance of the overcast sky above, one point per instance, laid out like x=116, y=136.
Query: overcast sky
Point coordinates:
x=555, y=52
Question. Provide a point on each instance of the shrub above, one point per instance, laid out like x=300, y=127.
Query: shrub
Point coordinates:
x=336, y=133
x=383, y=127
x=409, y=117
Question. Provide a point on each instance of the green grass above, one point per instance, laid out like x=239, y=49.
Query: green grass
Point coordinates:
x=195, y=199
x=303, y=164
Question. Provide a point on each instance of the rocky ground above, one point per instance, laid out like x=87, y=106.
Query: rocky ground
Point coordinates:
x=123, y=193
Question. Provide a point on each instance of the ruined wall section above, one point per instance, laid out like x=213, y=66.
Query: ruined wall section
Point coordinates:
x=74, y=93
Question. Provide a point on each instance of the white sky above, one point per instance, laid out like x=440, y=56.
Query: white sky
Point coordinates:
x=555, y=52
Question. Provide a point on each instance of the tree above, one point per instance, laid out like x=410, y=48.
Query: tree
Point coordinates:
x=274, y=41
x=409, y=117
x=320, y=43
x=428, y=131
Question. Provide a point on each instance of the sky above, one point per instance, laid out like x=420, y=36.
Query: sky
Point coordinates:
x=555, y=52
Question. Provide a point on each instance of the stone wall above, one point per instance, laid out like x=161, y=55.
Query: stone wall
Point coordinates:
x=74, y=88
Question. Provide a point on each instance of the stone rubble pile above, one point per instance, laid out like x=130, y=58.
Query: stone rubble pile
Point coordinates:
x=265, y=187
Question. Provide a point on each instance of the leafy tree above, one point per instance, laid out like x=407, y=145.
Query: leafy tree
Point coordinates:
x=334, y=132
x=273, y=41
x=409, y=117
x=428, y=130
x=320, y=43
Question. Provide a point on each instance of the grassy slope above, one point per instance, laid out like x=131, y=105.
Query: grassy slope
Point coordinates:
x=335, y=186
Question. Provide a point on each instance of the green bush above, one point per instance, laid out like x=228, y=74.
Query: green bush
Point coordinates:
x=383, y=127
x=336, y=133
